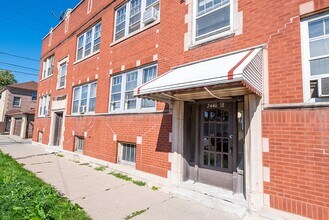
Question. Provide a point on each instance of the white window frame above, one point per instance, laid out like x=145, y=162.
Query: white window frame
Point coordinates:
x=48, y=67
x=306, y=58
x=59, y=65
x=138, y=108
x=210, y=36
x=143, y=26
x=88, y=99
x=44, y=106
x=121, y=145
x=20, y=102
x=92, y=52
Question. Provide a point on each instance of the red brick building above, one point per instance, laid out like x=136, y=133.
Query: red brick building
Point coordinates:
x=226, y=93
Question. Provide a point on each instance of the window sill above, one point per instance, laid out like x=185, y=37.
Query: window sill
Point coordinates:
x=87, y=114
x=211, y=39
x=87, y=57
x=46, y=78
x=135, y=33
x=61, y=88
x=133, y=111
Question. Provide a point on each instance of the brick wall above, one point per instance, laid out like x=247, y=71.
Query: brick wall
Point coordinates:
x=291, y=186
x=298, y=160
x=26, y=100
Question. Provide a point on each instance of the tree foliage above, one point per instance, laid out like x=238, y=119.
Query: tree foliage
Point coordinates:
x=6, y=78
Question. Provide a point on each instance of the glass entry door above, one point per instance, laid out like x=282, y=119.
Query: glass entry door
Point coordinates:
x=217, y=143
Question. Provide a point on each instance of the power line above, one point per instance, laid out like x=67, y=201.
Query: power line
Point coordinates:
x=22, y=57
x=19, y=72
x=22, y=24
x=27, y=16
x=24, y=67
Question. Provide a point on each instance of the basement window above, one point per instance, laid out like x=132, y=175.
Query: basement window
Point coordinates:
x=127, y=153
x=79, y=143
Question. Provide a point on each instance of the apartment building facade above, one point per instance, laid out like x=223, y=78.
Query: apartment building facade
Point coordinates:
x=227, y=93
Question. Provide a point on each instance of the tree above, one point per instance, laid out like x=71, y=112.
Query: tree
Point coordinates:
x=6, y=78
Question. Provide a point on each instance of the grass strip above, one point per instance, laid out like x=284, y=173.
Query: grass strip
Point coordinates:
x=25, y=196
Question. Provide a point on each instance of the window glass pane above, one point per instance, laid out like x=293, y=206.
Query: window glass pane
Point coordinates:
x=150, y=2
x=319, y=47
x=97, y=37
x=92, y=104
x=131, y=82
x=148, y=74
x=63, y=69
x=88, y=43
x=320, y=66
x=80, y=41
x=75, y=106
x=326, y=21
x=93, y=90
x=135, y=15
x=205, y=6
x=84, y=92
x=316, y=28
x=76, y=93
x=120, y=22
x=214, y=21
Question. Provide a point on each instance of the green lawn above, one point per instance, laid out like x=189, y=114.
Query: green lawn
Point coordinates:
x=25, y=196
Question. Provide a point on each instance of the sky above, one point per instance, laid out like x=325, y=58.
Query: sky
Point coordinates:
x=23, y=24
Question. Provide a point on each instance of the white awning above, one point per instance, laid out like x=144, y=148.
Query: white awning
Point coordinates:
x=245, y=67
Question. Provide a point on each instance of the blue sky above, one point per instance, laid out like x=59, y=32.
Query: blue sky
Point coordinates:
x=23, y=24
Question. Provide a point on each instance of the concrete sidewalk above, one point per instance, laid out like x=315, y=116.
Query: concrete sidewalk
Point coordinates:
x=104, y=196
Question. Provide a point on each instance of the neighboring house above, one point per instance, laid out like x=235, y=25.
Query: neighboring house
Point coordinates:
x=227, y=93
x=17, y=107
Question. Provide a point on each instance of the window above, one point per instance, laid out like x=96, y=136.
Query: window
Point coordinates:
x=122, y=90
x=62, y=72
x=79, y=143
x=48, y=67
x=34, y=96
x=40, y=136
x=84, y=99
x=212, y=17
x=44, y=105
x=127, y=153
x=315, y=45
x=134, y=15
x=89, y=42
x=17, y=102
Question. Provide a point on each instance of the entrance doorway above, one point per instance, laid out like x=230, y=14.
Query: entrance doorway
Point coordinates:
x=213, y=145
x=58, y=128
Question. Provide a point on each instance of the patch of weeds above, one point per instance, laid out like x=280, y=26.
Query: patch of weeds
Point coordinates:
x=100, y=168
x=155, y=188
x=108, y=189
x=59, y=155
x=136, y=213
x=84, y=164
x=22, y=164
x=139, y=183
x=121, y=176
x=75, y=161
x=24, y=196
x=127, y=178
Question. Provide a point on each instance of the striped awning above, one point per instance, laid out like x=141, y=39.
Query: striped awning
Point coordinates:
x=243, y=66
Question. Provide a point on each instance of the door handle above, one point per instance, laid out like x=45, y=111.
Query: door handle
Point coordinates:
x=231, y=136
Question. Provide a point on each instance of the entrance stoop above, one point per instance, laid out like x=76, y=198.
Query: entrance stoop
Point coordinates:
x=214, y=197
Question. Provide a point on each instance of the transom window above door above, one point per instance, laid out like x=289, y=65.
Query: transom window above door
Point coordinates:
x=134, y=15
x=212, y=17
x=122, y=90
